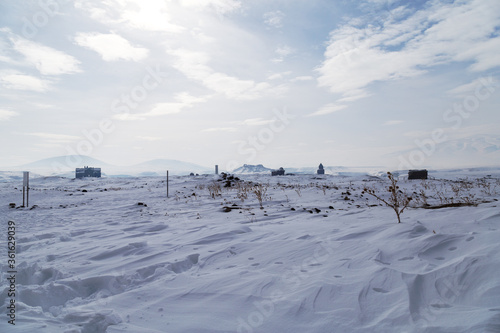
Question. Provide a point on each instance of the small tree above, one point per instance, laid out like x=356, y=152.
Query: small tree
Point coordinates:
x=398, y=199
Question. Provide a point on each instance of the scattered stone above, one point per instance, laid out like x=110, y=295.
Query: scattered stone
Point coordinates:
x=12, y=205
x=227, y=209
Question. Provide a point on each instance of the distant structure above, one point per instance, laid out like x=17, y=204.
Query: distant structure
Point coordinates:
x=279, y=172
x=216, y=169
x=321, y=170
x=87, y=172
x=417, y=174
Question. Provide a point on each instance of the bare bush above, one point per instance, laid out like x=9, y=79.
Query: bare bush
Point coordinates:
x=398, y=200
x=243, y=190
x=260, y=191
x=214, y=189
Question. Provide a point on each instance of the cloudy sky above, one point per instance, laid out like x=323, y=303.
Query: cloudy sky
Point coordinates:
x=228, y=82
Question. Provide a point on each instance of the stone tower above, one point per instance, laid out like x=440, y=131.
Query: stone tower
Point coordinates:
x=321, y=170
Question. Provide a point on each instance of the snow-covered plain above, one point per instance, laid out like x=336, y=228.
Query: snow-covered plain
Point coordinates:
x=319, y=256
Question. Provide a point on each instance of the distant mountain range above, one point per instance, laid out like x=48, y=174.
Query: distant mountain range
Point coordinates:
x=65, y=166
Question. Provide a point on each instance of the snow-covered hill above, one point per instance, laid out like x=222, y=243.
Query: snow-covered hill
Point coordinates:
x=252, y=169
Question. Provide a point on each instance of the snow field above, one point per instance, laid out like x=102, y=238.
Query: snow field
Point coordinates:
x=116, y=255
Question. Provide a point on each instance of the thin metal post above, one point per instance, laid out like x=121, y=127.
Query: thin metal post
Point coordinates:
x=27, y=189
x=167, y=183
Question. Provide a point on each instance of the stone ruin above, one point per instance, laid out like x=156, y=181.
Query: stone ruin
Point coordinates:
x=417, y=174
x=321, y=170
x=279, y=172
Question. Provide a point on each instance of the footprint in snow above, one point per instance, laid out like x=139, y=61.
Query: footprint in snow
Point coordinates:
x=380, y=290
x=441, y=306
x=383, y=263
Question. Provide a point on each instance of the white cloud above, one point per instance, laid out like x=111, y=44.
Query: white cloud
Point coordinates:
x=162, y=109
x=149, y=15
x=55, y=138
x=393, y=122
x=382, y=2
x=220, y=129
x=257, y=121
x=159, y=109
x=327, y=109
x=186, y=98
x=47, y=60
x=443, y=33
x=182, y=101
x=302, y=78
x=149, y=138
x=470, y=88
x=6, y=114
x=18, y=81
x=111, y=47
x=129, y=116
x=221, y=6
x=194, y=65
x=274, y=19
x=354, y=95
x=278, y=76
x=417, y=134
x=283, y=51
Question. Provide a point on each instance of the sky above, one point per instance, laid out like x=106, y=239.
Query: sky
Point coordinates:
x=399, y=84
